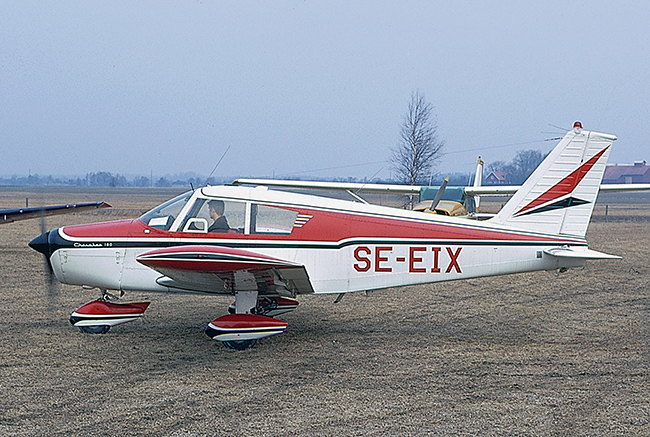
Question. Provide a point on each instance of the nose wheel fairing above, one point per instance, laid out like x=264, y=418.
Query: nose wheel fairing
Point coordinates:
x=98, y=316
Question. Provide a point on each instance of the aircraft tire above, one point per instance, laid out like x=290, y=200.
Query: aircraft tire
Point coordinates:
x=97, y=329
x=239, y=345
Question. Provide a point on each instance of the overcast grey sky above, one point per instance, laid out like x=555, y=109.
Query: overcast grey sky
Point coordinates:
x=298, y=86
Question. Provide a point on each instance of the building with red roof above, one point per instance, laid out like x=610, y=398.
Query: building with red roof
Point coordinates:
x=637, y=173
x=496, y=178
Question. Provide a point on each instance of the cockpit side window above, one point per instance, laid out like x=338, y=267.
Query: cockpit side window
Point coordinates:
x=162, y=216
x=196, y=219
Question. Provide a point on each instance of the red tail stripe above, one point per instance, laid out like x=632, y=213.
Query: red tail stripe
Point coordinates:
x=566, y=185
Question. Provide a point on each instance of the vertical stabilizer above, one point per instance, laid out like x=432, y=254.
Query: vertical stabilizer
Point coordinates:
x=478, y=181
x=559, y=197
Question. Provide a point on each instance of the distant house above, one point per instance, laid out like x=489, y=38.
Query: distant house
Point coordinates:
x=496, y=178
x=637, y=173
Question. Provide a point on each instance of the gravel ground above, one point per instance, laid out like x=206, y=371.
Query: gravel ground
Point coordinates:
x=529, y=354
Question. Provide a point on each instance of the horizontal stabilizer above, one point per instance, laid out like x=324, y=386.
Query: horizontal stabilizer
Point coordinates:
x=579, y=252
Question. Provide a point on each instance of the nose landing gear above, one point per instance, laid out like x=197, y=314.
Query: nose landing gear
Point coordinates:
x=98, y=316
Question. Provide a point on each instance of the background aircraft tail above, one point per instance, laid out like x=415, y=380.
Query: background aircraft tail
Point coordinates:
x=559, y=197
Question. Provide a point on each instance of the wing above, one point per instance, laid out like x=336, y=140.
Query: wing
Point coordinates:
x=341, y=186
x=413, y=189
x=512, y=189
x=211, y=269
x=617, y=188
x=12, y=215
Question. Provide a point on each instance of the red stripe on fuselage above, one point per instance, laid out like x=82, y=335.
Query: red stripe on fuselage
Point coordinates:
x=325, y=226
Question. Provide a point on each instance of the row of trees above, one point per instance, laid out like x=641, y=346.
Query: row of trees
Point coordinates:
x=107, y=179
x=521, y=166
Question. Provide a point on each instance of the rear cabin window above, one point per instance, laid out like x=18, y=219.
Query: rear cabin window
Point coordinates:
x=272, y=220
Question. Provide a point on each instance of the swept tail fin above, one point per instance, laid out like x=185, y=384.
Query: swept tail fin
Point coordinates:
x=478, y=181
x=559, y=197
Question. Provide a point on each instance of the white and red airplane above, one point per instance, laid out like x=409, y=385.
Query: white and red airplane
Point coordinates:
x=273, y=246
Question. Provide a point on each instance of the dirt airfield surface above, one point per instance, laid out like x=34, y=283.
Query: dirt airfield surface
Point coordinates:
x=529, y=354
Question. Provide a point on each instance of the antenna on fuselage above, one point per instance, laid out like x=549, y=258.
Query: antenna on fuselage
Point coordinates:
x=215, y=167
x=356, y=193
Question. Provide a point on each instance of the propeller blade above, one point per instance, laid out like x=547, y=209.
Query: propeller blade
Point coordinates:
x=441, y=191
x=52, y=286
x=41, y=244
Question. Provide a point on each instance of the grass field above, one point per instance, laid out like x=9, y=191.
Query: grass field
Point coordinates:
x=529, y=354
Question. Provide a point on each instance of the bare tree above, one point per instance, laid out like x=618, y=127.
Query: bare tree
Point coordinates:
x=525, y=162
x=419, y=147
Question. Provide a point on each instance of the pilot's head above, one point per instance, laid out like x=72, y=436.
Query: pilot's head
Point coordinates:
x=217, y=207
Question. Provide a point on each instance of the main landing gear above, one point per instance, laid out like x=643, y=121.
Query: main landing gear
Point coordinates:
x=98, y=316
x=249, y=318
x=241, y=330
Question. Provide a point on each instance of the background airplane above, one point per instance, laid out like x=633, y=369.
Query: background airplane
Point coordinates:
x=441, y=200
x=278, y=245
x=16, y=214
x=456, y=194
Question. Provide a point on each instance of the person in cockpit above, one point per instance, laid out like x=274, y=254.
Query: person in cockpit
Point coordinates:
x=220, y=223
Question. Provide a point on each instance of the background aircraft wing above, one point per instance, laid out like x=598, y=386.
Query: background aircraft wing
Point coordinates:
x=512, y=189
x=12, y=215
x=413, y=189
x=616, y=188
x=211, y=268
x=342, y=186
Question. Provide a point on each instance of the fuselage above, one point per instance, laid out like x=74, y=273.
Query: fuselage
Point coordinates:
x=344, y=246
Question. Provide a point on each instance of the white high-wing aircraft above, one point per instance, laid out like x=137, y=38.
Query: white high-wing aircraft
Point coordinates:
x=266, y=247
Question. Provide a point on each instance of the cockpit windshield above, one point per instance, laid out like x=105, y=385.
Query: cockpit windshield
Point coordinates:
x=162, y=216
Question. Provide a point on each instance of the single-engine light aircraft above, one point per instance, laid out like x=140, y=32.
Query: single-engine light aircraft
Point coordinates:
x=265, y=247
